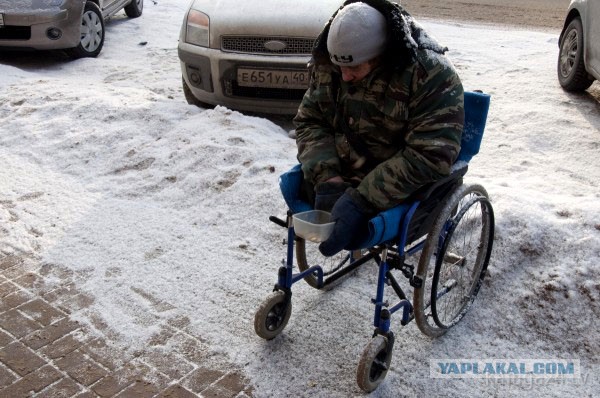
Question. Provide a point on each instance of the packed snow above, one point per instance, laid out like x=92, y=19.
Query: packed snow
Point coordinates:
x=106, y=173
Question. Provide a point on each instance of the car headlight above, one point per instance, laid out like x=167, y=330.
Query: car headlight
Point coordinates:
x=197, y=28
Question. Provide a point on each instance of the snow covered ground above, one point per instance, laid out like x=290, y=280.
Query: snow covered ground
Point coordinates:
x=107, y=173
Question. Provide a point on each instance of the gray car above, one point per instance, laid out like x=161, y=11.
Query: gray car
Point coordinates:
x=250, y=55
x=74, y=25
x=579, y=46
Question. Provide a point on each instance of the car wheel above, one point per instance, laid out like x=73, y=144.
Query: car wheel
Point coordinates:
x=191, y=99
x=92, y=33
x=135, y=8
x=571, y=67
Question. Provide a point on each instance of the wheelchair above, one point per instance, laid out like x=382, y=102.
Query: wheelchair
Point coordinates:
x=448, y=226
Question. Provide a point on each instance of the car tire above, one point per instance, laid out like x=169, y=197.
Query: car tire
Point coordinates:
x=572, y=75
x=92, y=33
x=135, y=8
x=191, y=99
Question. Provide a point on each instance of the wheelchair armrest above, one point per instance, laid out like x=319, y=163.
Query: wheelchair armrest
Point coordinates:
x=290, y=184
x=427, y=190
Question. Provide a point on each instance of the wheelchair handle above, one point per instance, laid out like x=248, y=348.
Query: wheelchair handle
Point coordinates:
x=278, y=221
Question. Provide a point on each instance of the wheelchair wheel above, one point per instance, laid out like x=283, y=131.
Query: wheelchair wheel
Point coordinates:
x=454, y=260
x=374, y=363
x=308, y=255
x=272, y=315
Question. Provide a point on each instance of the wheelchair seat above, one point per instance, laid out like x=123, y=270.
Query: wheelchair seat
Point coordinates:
x=385, y=226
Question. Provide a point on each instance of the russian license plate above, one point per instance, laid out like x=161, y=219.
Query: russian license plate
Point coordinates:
x=1, y=20
x=273, y=78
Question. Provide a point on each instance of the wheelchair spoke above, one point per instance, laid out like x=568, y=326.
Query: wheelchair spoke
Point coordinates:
x=454, y=260
x=462, y=270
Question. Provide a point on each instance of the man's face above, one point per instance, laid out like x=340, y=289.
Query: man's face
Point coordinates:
x=354, y=74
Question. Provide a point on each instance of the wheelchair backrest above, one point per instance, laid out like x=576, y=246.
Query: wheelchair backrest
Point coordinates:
x=432, y=196
x=476, y=111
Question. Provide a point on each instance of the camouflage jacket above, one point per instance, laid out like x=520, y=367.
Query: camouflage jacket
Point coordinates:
x=396, y=130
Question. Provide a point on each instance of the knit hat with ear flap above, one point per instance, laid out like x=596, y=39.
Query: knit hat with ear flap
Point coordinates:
x=357, y=34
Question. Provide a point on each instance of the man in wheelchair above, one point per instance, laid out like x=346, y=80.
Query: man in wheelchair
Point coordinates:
x=382, y=117
x=384, y=134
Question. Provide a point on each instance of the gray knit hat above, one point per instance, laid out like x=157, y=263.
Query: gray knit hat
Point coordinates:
x=357, y=34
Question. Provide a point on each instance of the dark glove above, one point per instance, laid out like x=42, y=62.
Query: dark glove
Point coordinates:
x=327, y=193
x=351, y=213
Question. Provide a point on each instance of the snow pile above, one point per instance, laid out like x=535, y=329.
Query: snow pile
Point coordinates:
x=160, y=210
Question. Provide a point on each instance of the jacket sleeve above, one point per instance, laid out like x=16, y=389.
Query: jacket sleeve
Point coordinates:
x=315, y=135
x=432, y=139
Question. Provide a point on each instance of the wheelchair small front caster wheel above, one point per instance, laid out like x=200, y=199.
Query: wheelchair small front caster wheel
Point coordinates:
x=272, y=315
x=374, y=363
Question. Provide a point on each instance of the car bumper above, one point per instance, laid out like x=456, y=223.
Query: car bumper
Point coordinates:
x=212, y=77
x=29, y=29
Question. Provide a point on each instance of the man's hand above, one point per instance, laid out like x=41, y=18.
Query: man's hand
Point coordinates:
x=350, y=213
x=328, y=192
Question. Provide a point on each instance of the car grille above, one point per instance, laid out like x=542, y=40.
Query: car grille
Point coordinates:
x=233, y=89
x=256, y=45
x=15, y=33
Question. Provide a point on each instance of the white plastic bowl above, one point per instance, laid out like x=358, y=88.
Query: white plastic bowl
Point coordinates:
x=313, y=225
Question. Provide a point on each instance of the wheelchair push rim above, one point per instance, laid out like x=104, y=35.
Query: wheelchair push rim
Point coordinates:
x=454, y=260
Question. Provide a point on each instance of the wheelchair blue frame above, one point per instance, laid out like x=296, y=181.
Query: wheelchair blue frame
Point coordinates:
x=287, y=277
x=394, y=235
